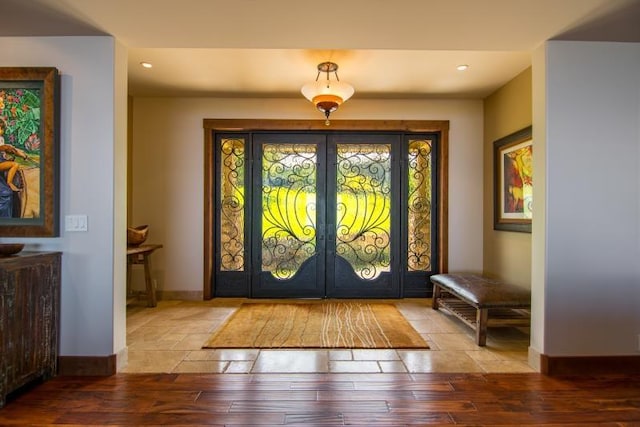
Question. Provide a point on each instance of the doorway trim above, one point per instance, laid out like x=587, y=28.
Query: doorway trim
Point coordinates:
x=211, y=126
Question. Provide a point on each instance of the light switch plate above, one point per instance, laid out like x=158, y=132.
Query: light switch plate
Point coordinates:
x=75, y=223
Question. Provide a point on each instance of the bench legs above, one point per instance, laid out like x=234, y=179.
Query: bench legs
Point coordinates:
x=436, y=295
x=482, y=316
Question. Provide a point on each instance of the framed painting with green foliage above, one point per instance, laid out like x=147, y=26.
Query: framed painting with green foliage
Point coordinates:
x=513, y=182
x=29, y=151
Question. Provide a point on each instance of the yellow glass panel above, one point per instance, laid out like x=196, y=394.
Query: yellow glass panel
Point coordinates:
x=232, y=205
x=289, y=186
x=419, y=206
x=363, y=209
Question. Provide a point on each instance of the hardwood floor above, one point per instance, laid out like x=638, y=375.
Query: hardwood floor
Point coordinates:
x=170, y=380
x=329, y=399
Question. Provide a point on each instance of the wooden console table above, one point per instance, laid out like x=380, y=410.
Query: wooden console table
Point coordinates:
x=29, y=319
x=141, y=255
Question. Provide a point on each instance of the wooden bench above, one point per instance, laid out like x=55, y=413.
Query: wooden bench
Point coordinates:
x=476, y=300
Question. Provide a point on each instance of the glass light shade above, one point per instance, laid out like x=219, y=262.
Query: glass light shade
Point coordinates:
x=319, y=90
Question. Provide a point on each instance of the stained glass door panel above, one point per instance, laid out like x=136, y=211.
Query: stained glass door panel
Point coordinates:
x=361, y=198
x=419, y=213
x=288, y=193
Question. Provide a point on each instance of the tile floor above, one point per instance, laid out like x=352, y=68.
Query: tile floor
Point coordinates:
x=168, y=339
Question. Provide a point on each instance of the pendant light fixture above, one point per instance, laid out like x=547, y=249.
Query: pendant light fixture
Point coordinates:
x=326, y=94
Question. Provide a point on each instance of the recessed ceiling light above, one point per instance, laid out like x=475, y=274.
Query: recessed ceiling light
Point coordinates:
x=462, y=67
x=146, y=64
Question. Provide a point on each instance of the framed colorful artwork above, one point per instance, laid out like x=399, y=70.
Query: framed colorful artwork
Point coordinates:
x=29, y=151
x=513, y=182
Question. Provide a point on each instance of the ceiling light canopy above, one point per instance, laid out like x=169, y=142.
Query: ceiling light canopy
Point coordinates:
x=326, y=94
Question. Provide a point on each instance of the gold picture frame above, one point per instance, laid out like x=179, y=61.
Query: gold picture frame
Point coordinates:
x=29, y=151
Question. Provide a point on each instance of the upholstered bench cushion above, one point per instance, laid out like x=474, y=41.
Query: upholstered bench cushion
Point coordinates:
x=482, y=292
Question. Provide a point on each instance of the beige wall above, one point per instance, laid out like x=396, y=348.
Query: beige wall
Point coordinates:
x=507, y=254
x=129, y=157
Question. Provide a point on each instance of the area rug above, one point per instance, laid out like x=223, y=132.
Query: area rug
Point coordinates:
x=326, y=324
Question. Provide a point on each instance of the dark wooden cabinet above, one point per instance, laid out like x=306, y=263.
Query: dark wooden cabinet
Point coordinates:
x=29, y=319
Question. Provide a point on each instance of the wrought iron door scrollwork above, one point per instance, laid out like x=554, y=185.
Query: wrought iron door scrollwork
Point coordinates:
x=419, y=206
x=289, y=184
x=232, y=201
x=363, y=207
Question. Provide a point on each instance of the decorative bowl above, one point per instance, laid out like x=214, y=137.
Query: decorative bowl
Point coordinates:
x=7, y=249
x=137, y=235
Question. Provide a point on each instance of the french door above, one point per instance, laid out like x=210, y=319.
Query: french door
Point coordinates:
x=314, y=215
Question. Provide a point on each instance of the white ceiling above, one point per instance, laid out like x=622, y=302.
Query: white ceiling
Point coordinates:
x=270, y=48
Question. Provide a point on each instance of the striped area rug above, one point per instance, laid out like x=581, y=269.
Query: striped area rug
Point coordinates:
x=317, y=324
